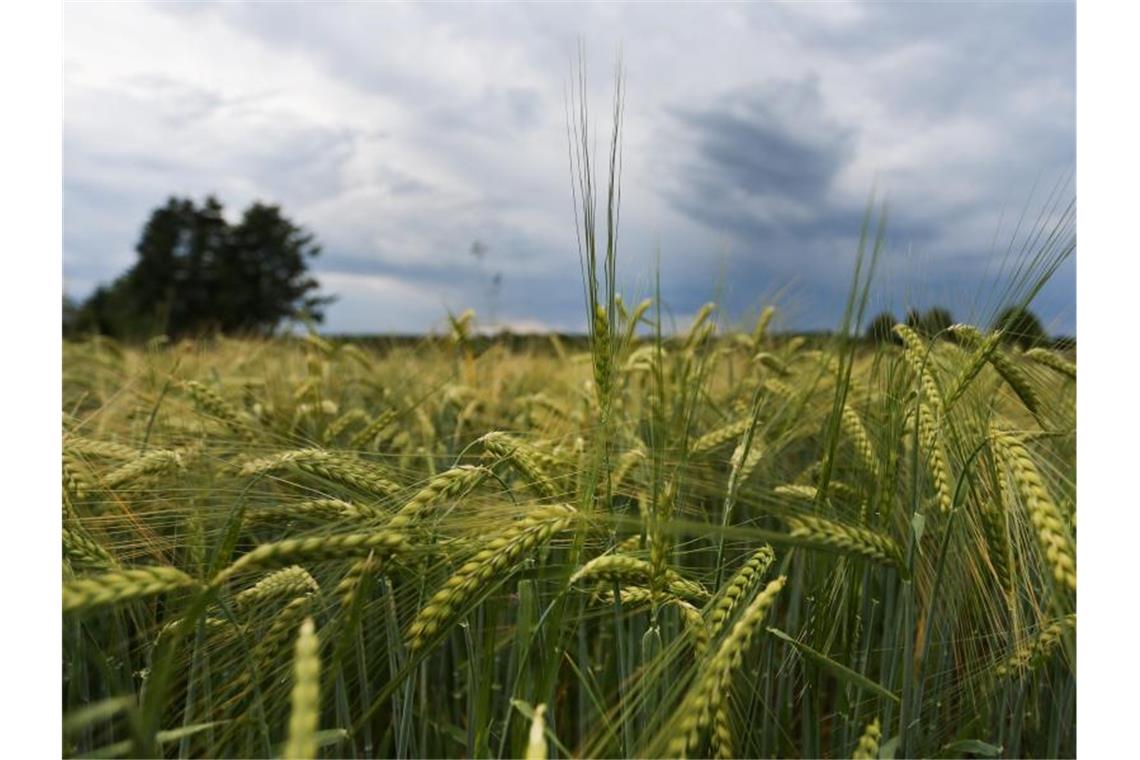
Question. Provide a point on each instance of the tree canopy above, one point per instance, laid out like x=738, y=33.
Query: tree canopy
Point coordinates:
x=1021, y=326
x=881, y=328
x=196, y=273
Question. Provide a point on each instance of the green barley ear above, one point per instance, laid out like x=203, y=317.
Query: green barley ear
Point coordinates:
x=868, y=746
x=619, y=568
x=500, y=555
x=722, y=731
x=936, y=458
x=698, y=332
x=75, y=480
x=760, y=331
x=536, y=741
x=322, y=510
x=917, y=355
x=334, y=466
x=371, y=433
x=384, y=543
x=207, y=401
x=451, y=484
x=306, y=714
x=983, y=347
x=343, y=423
x=1035, y=651
x=1017, y=379
x=856, y=431
x=710, y=687
x=92, y=448
x=603, y=355
x=1053, y=361
x=522, y=458
x=1052, y=534
x=85, y=552
x=721, y=436
x=844, y=538
x=738, y=587
x=289, y=582
x=122, y=585
x=150, y=463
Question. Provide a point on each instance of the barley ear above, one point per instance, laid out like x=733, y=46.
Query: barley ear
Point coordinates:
x=536, y=743
x=868, y=746
x=305, y=718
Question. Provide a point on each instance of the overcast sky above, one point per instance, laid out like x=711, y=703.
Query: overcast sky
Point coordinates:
x=754, y=136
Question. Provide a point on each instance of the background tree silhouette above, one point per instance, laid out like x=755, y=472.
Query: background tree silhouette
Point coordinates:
x=196, y=273
x=936, y=320
x=930, y=323
x=881, y=328
x=1021, y=326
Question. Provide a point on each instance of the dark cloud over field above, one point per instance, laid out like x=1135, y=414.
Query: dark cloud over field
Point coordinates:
x=755, y=135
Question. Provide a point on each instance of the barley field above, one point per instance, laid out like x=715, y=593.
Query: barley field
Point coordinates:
x=717, y=541
x=712, y=544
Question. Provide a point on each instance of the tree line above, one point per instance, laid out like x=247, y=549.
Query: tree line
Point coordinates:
x=1019, y=326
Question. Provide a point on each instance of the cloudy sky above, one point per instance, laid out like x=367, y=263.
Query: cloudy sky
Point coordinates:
x=754, y=136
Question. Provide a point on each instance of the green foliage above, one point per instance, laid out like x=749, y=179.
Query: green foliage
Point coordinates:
x=196, y=273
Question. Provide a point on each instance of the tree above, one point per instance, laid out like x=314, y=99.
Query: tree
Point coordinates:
x=1021, y=326
x=196, y=273
x=881, y=328
x=936, y=321
x=931, y=323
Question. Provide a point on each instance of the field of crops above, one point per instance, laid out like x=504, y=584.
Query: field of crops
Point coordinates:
x=725, y=544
